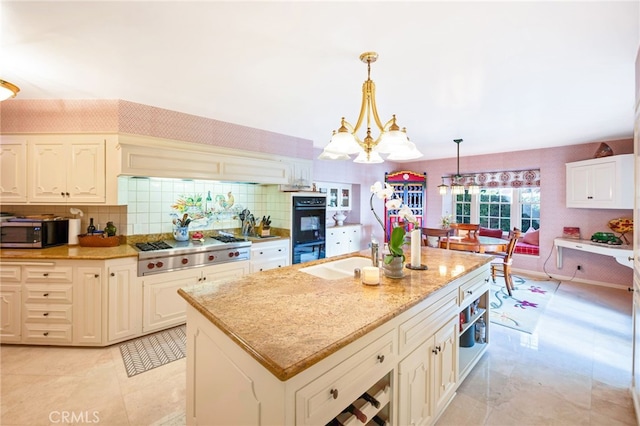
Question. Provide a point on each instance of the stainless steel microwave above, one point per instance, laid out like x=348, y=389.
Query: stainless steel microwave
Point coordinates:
x=33, y=233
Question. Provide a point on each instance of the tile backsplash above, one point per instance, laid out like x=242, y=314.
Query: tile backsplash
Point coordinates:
x=153, y=203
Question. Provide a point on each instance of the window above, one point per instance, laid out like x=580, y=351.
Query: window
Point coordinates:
x=503, y=208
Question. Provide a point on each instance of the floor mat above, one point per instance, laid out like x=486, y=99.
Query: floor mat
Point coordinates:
x=148, y=352
x=522, y=310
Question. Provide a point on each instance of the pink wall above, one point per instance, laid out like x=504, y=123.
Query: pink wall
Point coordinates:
x=118, y=116
x=554, y=214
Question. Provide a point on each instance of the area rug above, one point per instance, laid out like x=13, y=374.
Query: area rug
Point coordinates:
x=522, y=310
x=148, y=352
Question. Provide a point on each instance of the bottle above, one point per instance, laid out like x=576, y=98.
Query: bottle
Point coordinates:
x=379, y=421
x=481, y=331
x=110, y=229
x=371, y=400
x=91, y=228
x=356, y=412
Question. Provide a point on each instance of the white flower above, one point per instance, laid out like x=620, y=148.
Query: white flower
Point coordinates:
x=407, y=214
x=393, y=204
x=380, y=192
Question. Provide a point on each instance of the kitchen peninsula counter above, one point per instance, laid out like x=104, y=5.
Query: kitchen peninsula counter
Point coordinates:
x=289, y=348
x=289, y=320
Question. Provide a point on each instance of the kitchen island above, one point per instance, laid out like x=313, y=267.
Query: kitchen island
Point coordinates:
x=285, y=347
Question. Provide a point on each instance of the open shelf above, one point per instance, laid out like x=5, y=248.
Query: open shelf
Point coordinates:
x=474, y=318
x=381, y=391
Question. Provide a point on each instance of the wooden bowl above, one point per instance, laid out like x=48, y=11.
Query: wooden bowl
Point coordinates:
x=98, y=240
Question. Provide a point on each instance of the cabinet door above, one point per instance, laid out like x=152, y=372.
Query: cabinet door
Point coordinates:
x=415, y=376
x=163, y=307
x=48, y=173
x=345, y=197
x=86, y=173
x=125, y=302
x=226, y=272
x=13, y=172
x=355, y=235
x=445, y=365
x=10, y=311
x=87, y=301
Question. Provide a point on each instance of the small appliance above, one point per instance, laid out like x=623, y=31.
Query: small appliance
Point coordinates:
x=34, y=233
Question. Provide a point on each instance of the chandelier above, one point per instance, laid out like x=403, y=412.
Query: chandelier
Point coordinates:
x=8, y=90
x=391, y=141
x=457, y=187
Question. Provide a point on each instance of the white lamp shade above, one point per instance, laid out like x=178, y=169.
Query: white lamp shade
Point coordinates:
x=457, y=189
x=330, y=156
x=343, y=143
x=390, y=141
x=405, y=151
x=374, y=157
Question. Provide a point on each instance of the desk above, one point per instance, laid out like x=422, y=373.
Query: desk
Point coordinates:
x=623, y=253
x=480, y=245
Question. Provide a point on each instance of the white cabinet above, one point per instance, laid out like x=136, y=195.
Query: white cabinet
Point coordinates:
x=163, y=307
x=10, y=303
x=269, y=255
x=67, y=172
x=59, y=169
x=13, y=171
x=338, y=195
x=87, y=305
x=601, y=183
x=124, y=319
x=343, y=239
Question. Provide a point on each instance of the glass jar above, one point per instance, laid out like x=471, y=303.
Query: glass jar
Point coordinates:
x=110, y=229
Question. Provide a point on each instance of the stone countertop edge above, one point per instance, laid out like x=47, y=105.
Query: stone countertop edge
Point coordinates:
x=77, y=252
x=297, y=306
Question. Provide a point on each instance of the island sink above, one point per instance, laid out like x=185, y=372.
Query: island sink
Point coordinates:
x=337, y=269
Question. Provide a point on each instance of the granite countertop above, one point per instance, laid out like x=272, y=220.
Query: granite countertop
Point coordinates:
x=77, y=252
x=71, y=253
x=301, y=319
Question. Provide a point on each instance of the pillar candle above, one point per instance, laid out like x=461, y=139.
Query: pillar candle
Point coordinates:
x=370, y=275
x=416, y=242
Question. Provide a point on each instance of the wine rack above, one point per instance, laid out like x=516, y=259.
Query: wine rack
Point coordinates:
x=370, y=409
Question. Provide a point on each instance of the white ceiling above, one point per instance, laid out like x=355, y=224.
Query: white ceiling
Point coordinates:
x=503, y=76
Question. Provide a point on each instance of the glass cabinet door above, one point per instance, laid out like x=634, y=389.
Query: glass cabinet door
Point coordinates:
x=332, y=198
x=345, y=197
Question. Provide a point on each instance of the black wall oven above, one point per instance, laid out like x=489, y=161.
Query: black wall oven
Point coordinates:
x=308, y=228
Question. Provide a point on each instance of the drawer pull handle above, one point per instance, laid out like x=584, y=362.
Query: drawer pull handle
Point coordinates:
x=46, y=274
x=45, y=295
x=96, y=276
x=436, y=350
x=334, y=393
x=46, y=314
x=381, y=358
x=261, y=252
x=469, y=291
x=46, y=333
x=630, y=258
x=113, y=274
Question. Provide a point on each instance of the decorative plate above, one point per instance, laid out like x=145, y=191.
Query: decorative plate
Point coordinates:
x=621, y=226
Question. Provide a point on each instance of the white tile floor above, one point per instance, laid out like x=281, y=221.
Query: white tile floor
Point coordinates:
x=575, y=370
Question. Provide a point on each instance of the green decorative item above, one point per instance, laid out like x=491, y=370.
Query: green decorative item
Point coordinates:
x=110, y=229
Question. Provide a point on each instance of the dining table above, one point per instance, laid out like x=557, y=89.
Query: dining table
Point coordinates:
x=480, y=244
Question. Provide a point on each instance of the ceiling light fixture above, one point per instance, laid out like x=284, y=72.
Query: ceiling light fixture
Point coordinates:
x=391, y=141
x=8, y=90
x=457, y=187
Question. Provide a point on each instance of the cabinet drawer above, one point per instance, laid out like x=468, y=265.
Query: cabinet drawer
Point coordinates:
x=327, y=396
x=258, y=254
x=423, y=325
x=472, y=289
x=48, y=313
x=269, y=264
x=48, y=274
x=10, y=274
x=46, y=333
x=43, y=293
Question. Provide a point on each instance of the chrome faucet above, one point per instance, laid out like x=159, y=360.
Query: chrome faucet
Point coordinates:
x=375, y=253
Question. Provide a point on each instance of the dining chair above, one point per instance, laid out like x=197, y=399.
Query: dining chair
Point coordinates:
x=436, y=232
x=504, y=261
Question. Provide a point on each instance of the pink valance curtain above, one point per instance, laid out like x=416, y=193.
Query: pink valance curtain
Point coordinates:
x=504, y=179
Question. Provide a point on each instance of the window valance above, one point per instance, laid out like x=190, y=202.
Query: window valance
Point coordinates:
x=503, y=179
